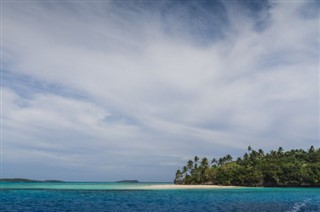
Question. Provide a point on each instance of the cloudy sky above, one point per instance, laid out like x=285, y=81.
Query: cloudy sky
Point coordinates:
x=111, y=90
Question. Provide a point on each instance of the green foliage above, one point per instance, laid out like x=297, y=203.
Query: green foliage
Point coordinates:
x=256, y=168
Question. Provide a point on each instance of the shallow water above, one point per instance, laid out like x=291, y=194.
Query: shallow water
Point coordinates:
x=121, y=197
x=77, y=185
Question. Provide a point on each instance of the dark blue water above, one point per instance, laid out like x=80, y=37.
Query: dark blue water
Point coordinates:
x=251, y=199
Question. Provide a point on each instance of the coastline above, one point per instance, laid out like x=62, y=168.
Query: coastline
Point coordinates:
x=117, y=186
x=174, y=186
x=105, y=186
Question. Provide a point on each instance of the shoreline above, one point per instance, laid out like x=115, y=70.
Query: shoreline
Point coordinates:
x=174, y=186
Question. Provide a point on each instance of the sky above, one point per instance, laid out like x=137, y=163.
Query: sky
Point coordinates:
x=114, y=90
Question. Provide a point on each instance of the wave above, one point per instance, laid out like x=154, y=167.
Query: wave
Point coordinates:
x=297, y=206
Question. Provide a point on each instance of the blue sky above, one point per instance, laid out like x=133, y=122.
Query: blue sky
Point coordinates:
x=111, y=90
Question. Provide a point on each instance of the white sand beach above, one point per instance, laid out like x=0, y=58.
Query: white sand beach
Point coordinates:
x=173, y=186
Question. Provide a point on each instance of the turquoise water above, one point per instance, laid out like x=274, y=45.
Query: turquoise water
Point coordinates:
x=78, y=185
x=134, y=197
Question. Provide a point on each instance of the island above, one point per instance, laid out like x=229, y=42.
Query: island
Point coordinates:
x=128, y=181
x=24, y=180
x=293, y=168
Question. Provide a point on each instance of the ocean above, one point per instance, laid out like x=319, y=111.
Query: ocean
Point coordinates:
x=135, y=197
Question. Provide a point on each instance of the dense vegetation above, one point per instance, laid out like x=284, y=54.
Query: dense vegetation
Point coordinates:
x=276, y=168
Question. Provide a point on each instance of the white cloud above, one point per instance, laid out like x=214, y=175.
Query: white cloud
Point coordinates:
x=156, y=96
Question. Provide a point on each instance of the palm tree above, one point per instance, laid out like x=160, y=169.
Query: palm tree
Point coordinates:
x=221, y=161
x=204, y=177
x=195, y=167
x=204, y=163
x=273, y=154
x=184, y=170
x=280, y=151
x=245, y=156
x=214, y=161
x=312, y=149
x=178, y=179
x=178, y=173
x=261, y=152
x=228, y=158
x=190, y=165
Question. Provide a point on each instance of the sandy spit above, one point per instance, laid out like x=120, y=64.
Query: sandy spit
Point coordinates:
x=172, y=186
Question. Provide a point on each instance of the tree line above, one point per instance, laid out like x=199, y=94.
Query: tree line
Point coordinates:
x=279, y=168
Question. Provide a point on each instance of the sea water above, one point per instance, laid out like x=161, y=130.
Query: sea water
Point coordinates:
x=135, y=197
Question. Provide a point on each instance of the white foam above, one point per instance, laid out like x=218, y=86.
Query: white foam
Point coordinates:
x=297, y=206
